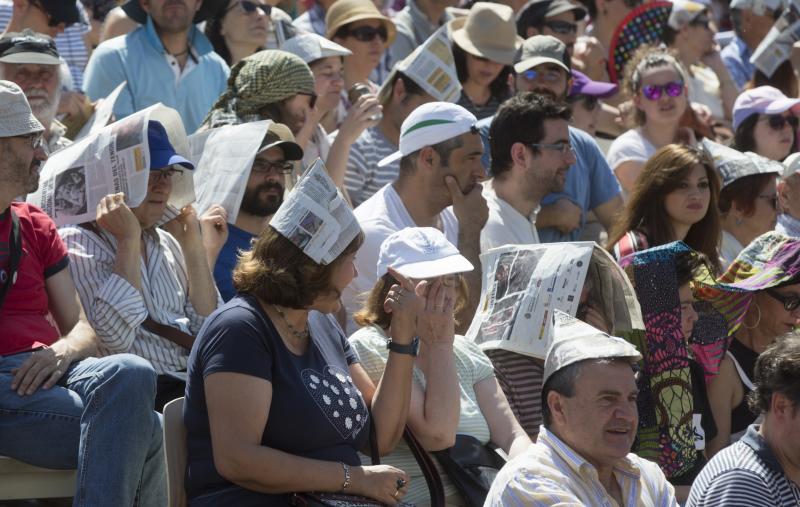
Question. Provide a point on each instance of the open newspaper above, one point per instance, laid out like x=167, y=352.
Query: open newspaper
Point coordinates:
x=316, y=217
x=776, y=47
x=102, y=113
x=114, y=159
x=223, y=158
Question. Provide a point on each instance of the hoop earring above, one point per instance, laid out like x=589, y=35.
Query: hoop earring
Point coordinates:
x=758, y=321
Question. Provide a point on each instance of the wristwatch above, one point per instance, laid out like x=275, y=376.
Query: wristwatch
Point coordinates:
x=412, y=349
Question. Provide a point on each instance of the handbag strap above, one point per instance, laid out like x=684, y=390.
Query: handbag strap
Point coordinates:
x=428, y=468
x=15, y=254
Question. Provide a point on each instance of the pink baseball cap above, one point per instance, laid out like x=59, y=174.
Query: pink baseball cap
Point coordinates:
x=761, y=100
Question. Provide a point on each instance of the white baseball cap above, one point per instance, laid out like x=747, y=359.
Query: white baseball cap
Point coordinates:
x=311, y=47
x=420, y=252
x=16, y=117
x=757, y=6
x=430, y=124
x=791, y=165
x=575, y=341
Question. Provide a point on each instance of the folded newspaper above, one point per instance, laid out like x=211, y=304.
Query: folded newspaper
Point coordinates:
x=114, y=159
x=316, y=217
x=102, y=113
x=524, y=284
x=732, y=164
x=776, y=47
x=223, y=158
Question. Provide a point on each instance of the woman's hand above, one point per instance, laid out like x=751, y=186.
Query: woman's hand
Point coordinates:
x=365, y=113
x=384, y=483
x=436, y=322
x=404, y=304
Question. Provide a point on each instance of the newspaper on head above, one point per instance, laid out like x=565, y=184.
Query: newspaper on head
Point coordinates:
x=432, y=67
x=776, y=47
x=316, y=217
x=223, y=158
x=522, y=286
x=732, y=164
x=115, y=159
x=102, y=113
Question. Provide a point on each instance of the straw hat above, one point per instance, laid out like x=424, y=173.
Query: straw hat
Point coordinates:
x=489, y=31
x=343, y=12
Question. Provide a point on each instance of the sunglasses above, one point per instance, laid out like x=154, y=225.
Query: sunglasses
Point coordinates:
x=790, y=303
x=36, y=139
x=367, y=33
x=778, y=121
x=561, y=27
x=654, y=92
x=313, y=96
x=249, y=7
x=550, y=76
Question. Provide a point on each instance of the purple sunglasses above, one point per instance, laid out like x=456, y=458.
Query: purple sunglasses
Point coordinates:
x=654, y=92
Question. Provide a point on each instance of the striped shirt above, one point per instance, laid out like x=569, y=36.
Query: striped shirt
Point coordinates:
x=745, y=474
x=363, y=177
x=116, y=309
x=551, y=473
x=472, y=366
x=520, y=377
x=70, y=44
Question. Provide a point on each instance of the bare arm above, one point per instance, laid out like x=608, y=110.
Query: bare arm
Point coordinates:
x=357, y=120
x=504, y=428
x=563, y=215
x=722, y=398
x=607, y=212
x=627, y=173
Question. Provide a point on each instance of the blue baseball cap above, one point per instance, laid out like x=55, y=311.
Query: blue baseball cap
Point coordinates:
x=162, y=154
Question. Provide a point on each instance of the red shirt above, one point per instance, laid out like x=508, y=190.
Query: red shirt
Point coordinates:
x=25, y=320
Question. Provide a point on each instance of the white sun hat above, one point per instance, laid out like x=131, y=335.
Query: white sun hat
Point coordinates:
x=419, y=253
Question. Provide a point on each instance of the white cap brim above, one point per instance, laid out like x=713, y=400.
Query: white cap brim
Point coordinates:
x=439, y=267
x=391, y=158
x=782, y=105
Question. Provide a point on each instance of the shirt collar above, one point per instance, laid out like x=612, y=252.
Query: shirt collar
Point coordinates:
x=198, y=43
x=576, y=462
x=743, y=49
x=753, y=439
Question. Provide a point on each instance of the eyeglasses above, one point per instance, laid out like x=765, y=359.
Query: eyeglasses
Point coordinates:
x=52, y=21
x=36, y=139
x=550, y=75
x=654, y=92
x=367, y=33
x=313, y=96
x=771, y=199
x=790, y=303
x=249, y=7
x=264, y=167
x=563, y=148
x=162, y=174
x=778, y=121
x=561, y=27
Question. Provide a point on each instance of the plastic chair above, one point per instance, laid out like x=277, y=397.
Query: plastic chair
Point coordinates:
x=175, y=448
x=20, y=481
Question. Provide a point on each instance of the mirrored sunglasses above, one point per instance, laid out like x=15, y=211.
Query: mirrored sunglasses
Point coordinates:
x=654, y=92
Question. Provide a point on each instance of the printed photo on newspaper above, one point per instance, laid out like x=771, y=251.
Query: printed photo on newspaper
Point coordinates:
x=114, y=159
x=316, y=217
x=776, y=47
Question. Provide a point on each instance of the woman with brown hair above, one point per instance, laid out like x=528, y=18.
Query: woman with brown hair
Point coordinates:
x=273, y=398
x=675, y=199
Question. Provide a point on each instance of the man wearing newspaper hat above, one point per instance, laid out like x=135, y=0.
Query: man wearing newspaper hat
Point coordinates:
x=440, y=167
x=150, y=260
x=61, y=408
x=752, y=20
x=262, y=198
x=31, y=60
x=582, y=454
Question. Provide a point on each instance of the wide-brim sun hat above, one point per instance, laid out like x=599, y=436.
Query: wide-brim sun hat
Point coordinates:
x=420, y=253
x=16, y=117
x=344, y=12
x=762, y=100
x=135, y=11
x=488, y=31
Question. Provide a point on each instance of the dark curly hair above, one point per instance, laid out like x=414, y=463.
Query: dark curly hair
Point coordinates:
x=777, y=371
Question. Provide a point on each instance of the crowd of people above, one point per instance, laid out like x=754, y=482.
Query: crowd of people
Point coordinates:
x=322, y=294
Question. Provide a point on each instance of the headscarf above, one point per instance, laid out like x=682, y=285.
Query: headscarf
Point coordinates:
x=263, y=78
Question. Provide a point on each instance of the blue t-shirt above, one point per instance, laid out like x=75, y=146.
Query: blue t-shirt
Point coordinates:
x=238, y=239
x=316, y=410
x=736, y=57
x=589, y=181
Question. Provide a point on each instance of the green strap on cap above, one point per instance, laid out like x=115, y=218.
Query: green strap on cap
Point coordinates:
x=423, y=124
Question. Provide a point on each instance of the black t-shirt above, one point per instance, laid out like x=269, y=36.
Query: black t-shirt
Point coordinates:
x=316, y=410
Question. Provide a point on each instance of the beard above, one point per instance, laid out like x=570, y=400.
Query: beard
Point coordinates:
x=254, y=204
x=44, y=107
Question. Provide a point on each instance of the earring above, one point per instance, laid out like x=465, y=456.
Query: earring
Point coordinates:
x=758, y=320
x=739, y=221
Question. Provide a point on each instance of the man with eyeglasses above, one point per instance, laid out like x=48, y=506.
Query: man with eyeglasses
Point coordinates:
x=544, y=69
x=531, y=155
x=31, y=61
x=263, y=195
x=166, y=60
x=557, y=18
x=61, y=407
x=142, y=271
x=752, y=20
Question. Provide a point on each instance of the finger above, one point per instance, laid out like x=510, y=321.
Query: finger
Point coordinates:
x=430, y=301
x=455, y=191
x=404, y=282
x=40, y=377
x=26, y=375
x=53, y=379
x=441, y=291
x=422, y=289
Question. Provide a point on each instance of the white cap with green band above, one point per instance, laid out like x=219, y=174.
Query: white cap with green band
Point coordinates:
x=430, y=124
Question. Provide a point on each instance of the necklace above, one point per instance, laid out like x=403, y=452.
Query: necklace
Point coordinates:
x=300, y=335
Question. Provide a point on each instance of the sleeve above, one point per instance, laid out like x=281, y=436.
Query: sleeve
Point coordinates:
x=355, y=177
x=371, y=352
x=402, y=47
x=734, y=66
x=236, y=341
x=50, y=247
x=733, y=488
x=114, y=307
x=603, y=184
x=625, y=149
x=104, y=72
x=482, y=365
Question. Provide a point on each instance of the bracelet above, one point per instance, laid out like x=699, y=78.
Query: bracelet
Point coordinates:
x=346, y=483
